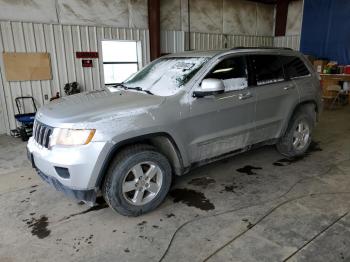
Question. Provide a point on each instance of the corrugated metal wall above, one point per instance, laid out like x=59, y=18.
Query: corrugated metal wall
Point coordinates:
x=172, y=41
x=204, y=41
x=61, y=41
x=177, y=41
x=291, y=41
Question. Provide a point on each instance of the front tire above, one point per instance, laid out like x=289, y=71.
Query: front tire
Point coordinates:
x=297, y=138
x=137, y=181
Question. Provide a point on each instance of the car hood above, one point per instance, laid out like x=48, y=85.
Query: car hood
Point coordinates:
x=95, y=106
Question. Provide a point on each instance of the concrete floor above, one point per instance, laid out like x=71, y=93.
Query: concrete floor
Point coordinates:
x=253, y=207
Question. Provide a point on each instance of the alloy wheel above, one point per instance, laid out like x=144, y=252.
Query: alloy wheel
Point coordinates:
x=142, y=183
x=301, y=135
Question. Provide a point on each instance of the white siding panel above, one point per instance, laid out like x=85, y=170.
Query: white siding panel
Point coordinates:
x=49, y=38
x=79, y=70
x=85, y=46
x=93, y=43
x=12, y=89
x=291, y=41
x=172, y=41
x=206, y=41
x=61, y=57
x=61, y=42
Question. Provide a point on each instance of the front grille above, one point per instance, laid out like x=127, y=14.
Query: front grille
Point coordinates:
x=42, y=133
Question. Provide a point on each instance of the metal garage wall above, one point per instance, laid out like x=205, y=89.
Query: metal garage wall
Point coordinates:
x=177, y=41
x=205, y=41
x=291, y=41
x=61, y=41
x=251, y=41
x=172, y=41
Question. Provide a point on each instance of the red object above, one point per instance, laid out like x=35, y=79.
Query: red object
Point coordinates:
x=87, y=54
x=347, y=69
x=86, y=63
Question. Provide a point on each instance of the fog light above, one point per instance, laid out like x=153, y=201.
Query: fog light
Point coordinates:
x=62, y=172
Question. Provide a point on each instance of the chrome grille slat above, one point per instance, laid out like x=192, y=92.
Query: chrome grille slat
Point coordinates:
x=47, y=139
x=37, y=133
x=41, y=133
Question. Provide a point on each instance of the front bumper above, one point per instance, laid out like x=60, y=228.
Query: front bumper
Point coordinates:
x=81, y=195
x=82, y=162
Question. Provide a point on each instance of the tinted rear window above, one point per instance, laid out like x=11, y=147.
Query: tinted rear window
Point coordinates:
x=268, y=69
x=294, y=66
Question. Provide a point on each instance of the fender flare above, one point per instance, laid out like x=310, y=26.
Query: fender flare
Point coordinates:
x=112, y=152
x=295, y=109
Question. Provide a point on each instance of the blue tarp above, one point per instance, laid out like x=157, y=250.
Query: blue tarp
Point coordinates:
x=326, y=30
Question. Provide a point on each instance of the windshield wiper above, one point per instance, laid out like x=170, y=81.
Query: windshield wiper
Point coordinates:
x=121, y=85
x=147, y=92
x=137, y=88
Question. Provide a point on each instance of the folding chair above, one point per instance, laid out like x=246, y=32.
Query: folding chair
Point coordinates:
x=333, y=95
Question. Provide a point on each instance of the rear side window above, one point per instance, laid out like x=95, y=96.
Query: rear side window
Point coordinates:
x=294, y=67
x=268, y=69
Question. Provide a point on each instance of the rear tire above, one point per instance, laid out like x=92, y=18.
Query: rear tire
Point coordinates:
x=297, y=138
x=137, y=181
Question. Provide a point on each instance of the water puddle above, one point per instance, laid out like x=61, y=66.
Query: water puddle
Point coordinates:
x=248, y=170
x=203, y=182
x=191, y=198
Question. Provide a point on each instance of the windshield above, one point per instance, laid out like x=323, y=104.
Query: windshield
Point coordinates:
x=166, y=76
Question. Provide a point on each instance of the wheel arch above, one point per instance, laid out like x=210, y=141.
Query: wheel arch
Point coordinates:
x=162, y=141
x=298, y=107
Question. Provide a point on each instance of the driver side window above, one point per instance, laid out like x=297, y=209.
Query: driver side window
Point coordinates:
x=233, y=73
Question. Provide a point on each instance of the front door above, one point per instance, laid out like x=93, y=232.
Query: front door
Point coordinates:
x=222, y=123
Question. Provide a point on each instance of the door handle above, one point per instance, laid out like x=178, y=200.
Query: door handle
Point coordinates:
x=289, y=87
x=245, y=96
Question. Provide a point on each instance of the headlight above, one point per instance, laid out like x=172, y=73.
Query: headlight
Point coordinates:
x=71, y=137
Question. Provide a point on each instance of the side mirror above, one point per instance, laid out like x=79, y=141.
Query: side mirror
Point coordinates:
x=209, y=86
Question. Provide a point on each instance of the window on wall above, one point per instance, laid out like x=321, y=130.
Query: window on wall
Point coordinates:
x=119, y=60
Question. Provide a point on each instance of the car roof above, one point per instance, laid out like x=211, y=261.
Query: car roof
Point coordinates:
x=212, y=53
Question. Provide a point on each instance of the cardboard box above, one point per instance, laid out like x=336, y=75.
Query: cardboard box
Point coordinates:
x=319, y=65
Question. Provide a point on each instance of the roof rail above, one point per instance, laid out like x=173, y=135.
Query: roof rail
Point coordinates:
x=261, y=47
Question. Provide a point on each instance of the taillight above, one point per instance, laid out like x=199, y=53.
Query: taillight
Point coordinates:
x=320, y=79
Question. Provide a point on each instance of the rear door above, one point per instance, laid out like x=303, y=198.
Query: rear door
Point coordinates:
x=297, y=71
x=276, y=95
x=222, y=123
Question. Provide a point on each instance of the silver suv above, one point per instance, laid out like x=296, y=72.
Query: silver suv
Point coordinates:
x=181, y=111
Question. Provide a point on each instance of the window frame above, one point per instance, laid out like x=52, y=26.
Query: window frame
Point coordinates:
x=253, y=71
x=138, y=62
x=287, y=77
x=222, y=58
